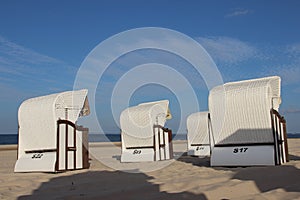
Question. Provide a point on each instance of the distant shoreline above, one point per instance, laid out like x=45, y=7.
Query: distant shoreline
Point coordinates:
x=7, y=147
x=12, y=139
x=6, y=139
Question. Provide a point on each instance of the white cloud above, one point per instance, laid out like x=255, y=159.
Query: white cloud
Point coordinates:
x=293, y=51
x=11, y=49
x=291, y=110
x=225, y=51
x=239, y=12
x=290, y=74
x=287, y=59
x=241, y=60
x=18, y=63
x=228, y=50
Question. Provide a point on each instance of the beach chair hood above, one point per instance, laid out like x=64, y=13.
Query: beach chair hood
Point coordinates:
x=137, y=122
x=243, y=108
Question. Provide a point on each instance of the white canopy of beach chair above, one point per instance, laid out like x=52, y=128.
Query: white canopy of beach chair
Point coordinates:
x=199, y=134
x=43, y=144
x=143, y=135
x=245, y=128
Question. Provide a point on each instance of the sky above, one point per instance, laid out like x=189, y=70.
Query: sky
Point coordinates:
x=44, y=43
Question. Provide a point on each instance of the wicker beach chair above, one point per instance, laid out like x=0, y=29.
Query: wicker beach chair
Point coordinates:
x=143, y=135
x=199, y=134
x=49, y=139
x=246, y=126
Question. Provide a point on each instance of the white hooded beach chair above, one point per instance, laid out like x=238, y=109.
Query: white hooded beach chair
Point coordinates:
x=247, y=128
x=49, y=139
x=143, y=135
x=199, y=134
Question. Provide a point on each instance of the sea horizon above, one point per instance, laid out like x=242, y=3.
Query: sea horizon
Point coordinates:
x=10, y=138
x=93, y=137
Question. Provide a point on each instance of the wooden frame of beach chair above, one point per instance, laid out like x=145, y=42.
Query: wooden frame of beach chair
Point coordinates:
x=199, y=134
x=49, y=139
x=247, y=127
x=143, y=135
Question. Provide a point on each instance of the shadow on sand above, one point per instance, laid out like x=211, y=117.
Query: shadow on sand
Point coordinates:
x=194, y=160
x=293, y=157
x=271, y=178
x=266, y=178
x=105, y=185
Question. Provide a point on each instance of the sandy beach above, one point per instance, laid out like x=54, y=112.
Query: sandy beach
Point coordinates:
x=184, y=178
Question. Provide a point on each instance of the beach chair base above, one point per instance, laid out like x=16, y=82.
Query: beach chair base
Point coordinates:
x=243, y=156
x=36, y=162
x=137, y=155
x=71, y=152
x=199, y=150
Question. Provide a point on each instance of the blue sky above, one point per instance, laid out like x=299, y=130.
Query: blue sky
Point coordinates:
x=42, y=45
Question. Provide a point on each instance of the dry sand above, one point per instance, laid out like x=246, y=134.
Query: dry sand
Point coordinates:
x=185, y=178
